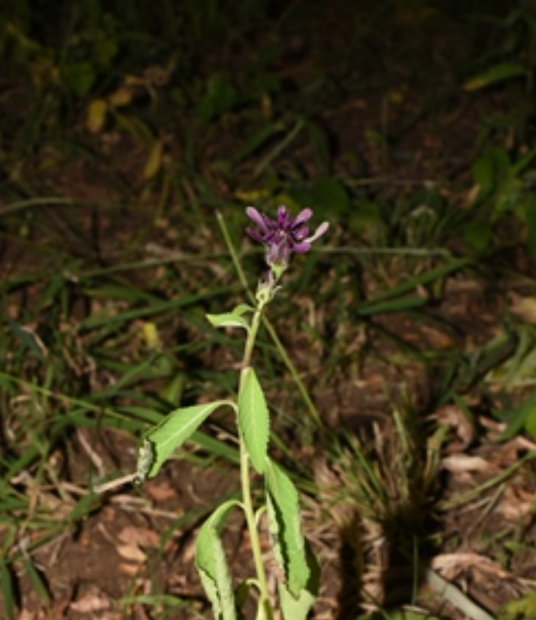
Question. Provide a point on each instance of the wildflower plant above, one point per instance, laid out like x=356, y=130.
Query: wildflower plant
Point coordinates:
x=298, y=573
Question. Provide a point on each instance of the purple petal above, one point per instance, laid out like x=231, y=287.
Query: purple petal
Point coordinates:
x=318, y=233
x=303, y=216
x=303, y=246
x=278, y=253
x=257, y=217
x=255, y=234
x=301, y=233
x=284, y=218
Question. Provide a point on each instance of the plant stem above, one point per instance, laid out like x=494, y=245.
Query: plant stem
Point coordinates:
x=247, y=500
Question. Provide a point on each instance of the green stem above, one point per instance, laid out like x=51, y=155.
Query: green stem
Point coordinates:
x=247, y=500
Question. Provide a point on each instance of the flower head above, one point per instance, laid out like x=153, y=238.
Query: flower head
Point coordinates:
x=283, y=236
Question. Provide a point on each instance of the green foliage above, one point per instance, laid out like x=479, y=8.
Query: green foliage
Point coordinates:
x=504, y=188
x=513, y=57
x=494, y=74
x=8, y=589
x=522, y=417
x=253, y=419
x=298, y=607
x=171, y=433
x=232, y=319
x=522, y=608
x=398, y=615
x=212, y=564
x=285, y=528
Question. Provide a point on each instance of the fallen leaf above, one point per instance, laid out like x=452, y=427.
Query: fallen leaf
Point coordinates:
x=129, y=569
x=464, y=431
x=140, y=536
x=458, y=463
x=93, y=600
x=524, y=308
x=131, y=552
x=160, y=492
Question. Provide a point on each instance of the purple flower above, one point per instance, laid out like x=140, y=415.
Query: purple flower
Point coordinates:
x=283, y=236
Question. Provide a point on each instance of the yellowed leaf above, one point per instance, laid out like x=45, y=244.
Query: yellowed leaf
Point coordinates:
x=121, y=97
x=154, y=161
x=96, y=115
x=525, y=309
x=151, y=335
x=251, y=196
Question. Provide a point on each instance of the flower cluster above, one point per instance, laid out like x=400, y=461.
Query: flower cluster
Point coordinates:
x=283, y=236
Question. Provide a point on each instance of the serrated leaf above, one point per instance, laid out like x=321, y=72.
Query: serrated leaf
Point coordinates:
x=211, y=563
x=175, y=429
x=253, y=419
x=285, y=528
x=298, y=607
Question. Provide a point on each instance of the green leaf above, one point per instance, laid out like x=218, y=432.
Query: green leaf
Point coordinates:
x=408, y=286
x=297, y=608
x=497, y=73
x=28, y=339
x=227, y=319
x=212, y=565
x=231, y=319
x=528, y=412
x=530, y=211
x=398, y=614
x=285, y=528
x=257, y=140
x=173, y=431
x=522, y=608
x=395, y=305
x=320, y=142
x=79, y=77
x=478, y=235
x=8, y=589
x=38, y=583
x=330, y=196
x=253, y=419
x=243, y=309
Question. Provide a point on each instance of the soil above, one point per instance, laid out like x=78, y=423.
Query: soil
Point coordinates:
x=135, y=541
